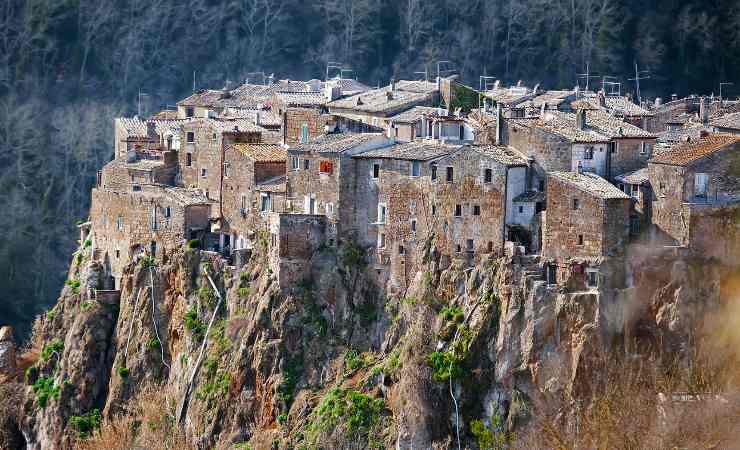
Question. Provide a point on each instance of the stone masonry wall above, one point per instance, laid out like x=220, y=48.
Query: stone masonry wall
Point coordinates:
x=296, y=117
x=551, y=152
x=628, y=156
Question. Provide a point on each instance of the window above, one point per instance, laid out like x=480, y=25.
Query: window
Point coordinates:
x=243, y=207
x=592, y=278
x=458, y=248
x=580, y=239
x=214, y=137
x=153, y=218
x=401, y=250
x=458, y=210
x=415, y=168
x=576, y=204
x=167, y=212
x=119, y=223
x=433, y=168
x=203, y=172
x=476, y=210
x=190, y=137
x=304, y=133
x=469, y=245
x=636, y=191
x=326, y=167
x=541, y=186
x=382, y=211
x=306, y=164
x=227, y=165
x=700, y=184
x=294, y=163
x=189, y=111
x=381, y=240
x=450, y=174
x=413, y=225
x=552, y=274
x=521, y=209
x=329, y=208
x=189, y=159
x=635, y=225
x=118, y=253
x=376, y=171
x=488, y=176
x=490, y=247
x=434, y=210
x=588, y=153
x=643, y=148
x=265, y=202
x=614, y=147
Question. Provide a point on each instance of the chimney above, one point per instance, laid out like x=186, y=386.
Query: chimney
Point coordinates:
x=332, y=90
x=499, y=124
x=602, y=99
x=581, y=119
x=703, y=112
x=389, y=95
x=674, y=97
x=579, y=167
x=393, y=84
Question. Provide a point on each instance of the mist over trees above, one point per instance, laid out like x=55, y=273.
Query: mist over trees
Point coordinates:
x=67, y=67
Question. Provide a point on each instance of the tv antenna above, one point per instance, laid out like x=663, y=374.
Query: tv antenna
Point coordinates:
x=264, y=77
x=639, y=75
x=587, y=76
x=726, y=83
x=425, y=73
x=333, y=65
x=615, y=87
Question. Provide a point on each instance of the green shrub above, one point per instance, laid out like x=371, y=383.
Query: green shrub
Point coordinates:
x=55, y=346
x=445, y=365
x=359, y=411
x=123, y=372
x=194, y=244
x=244, y=277
x=393, y=363
x=84, y=306
x=78, y=259
x=51, y=314
x=282, y=419
x=216, y=388
x=207, y=296
x=353, y=361
x=354, y=256
x=452, y=313
x=487, y=438
x=87, y=243
x=147, y=261
x=245, y=292
x=194, y=324
x=291, y=375
x=153, y=344
x=74, y=285
x=86, y=423
x=45, y=389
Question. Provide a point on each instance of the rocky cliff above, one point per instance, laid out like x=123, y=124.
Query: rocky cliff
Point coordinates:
x=194, y=353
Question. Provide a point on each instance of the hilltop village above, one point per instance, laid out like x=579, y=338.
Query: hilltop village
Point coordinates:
x=566, y=179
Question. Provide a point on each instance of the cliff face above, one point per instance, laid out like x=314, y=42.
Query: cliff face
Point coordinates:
x=466, y=353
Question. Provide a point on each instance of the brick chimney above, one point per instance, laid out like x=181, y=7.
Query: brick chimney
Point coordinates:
x=703, y=112
x=581, y=119
x=602, y=99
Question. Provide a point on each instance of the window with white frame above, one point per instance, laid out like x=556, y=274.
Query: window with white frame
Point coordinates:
x=294, y=163
x=415, y=168
x=203, y=172
x=227, y=167
x=119, y=223
x=304, y=133
x=265, y=202
x=381, y=240
x=382, y=213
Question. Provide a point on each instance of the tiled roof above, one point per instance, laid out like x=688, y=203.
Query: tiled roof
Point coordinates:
x=727, y=121
x=258, y=117
x=530, y=197
x=145, y=164
x=639, y=176
x=204, y=97
x=275, y=184
x=133, y=126
x=550, y=98
x=165, y=114
x=614, y=127
x=562, y=124
x=591, y=183
x=226, y=125
x=336, y=142
x=263, y=152
x=424, y=87
x=378, y=101
x=685, y=153
x=348, y=86
x=509, y=96
x=620, y=105
x=151, y=128
x=675, y=136
x=301, y=98
x=186, y=196
x=413, y=115
x=410, y=151
x=508, y=156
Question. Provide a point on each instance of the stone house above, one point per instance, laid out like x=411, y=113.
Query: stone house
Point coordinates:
x=321, y=177
x=201, y=150
x=549, y=101
x=586, y=217
x=618, y=106
x=696, y=187
x=153, y=219
x=637, y=185
x=132, y=173
x=251, y=190
x=728, y=124
x=630, y=146
x=409, y=125
x=293, y=241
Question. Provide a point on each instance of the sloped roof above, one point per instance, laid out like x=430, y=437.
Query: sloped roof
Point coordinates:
x=133, y=126
x=266, y=153
x=420, y=86
x=731, y=121
x=590, y=183
x=563, y=125
x=413, y=115
x=378, y=101
x=639, y=176
x=620, y=105
x=301, y=98
x=275, y=184
x=186, y=196
x=686, y=153
x=503, y=154
x=410, y=151
x=336, y=142
x=241, y=125
x=150, y=128
x=614, y=127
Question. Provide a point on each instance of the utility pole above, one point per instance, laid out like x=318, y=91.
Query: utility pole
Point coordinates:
x=640, y=75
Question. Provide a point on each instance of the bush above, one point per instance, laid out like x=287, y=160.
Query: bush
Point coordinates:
x=452, y=313
x=207, y=296
x=45, y=389
x=194, y=244
x=74, y=285
x=147, y=261
x=353, y=361
x=245, y=292
x=194, y=324
x=87, y=243
x=86, y=423
x=153, y=344
x=291, y=375
x=445, y=365
x=123, y=372
x=54, y=347
x=354, y=256
x=393, y=363
x=51, y=314
x=359, y=411
x=85, y=306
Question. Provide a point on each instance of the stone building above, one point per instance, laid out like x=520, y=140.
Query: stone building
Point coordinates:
x=586, y=217
x=630, y=146
x=293, y=241
x=696, y=189
x=253, y=186
x=321, y=176
x=151, y=220
x=637, y=185
x=618, y=106
x=408, y=125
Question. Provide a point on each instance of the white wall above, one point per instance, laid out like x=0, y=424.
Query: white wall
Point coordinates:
x=596, y=165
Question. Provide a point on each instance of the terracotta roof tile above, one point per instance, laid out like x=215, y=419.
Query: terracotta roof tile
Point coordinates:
x=413, y=115
x=591, y=183
x=381, y=101
x=686, y=153
x=337, y=142
x=505, y=155
x=263, y=152
x=410, y=151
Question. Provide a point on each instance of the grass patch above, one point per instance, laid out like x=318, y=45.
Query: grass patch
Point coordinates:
x=452, y=313
x=86, y=423
x=245, y=292
x=86, y=306
x=54, y=347
x=147, y=261
x=193, y=244
x=123, y=372
x=358, y=412
x=194, y=324
x=74, y=285
x=153, y=344
x=45, y=389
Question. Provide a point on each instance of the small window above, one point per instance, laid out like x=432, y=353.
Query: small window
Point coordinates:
x=306, y=164
x=413, y=225
x=329, y=208
x=326, y=167
x=433, y=168
x=643, y=148
x=214, y=137
x=488, y=176
x=118, y=253
x=243, y=206
x=458, y=248
x=541, y=185
x=227, y=165
x=469, y=245
x=376, y=171
x=304, y=133
x=592, y=278
x=266, y=202
x=580, y=239
x=490, y=247
x=588, y=153
x=521, y=209
x=450, y=174
x=476, y=210
x=382, y=213
x=190, y=137
x=401, y=250
x=203, y=172
x=381, y=240
x=294, y=163
x=189, y=159
x=189, y=112
x=458, y=210
x=167, y=212
x=576, y=204
x=119, y=223
x=415, y=168
x=635, y=225
x=434, y=210
x=412, y=204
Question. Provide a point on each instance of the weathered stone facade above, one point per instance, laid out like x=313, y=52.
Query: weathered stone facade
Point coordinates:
x=296, y=119
x=294, y=238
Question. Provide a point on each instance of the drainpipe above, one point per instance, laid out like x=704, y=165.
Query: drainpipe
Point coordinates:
x=506, y=203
